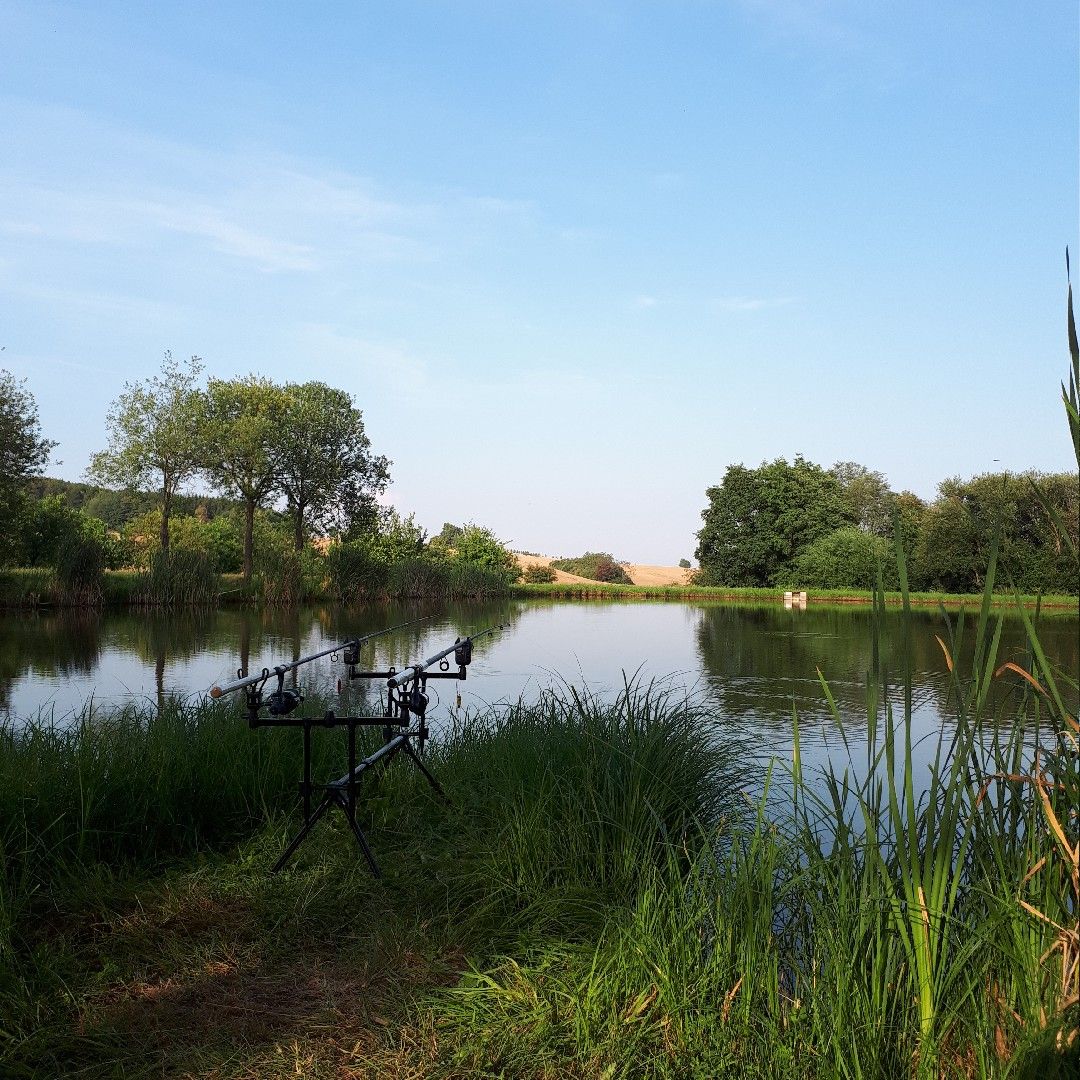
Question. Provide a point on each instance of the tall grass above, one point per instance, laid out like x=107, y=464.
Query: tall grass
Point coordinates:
x=80, y=569
x=561, y=810
x=356, y=575
x=178, y=578
x=892, y=922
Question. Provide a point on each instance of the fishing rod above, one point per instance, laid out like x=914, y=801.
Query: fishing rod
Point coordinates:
x=462, y=650
x=406, y=701
x=348, y=649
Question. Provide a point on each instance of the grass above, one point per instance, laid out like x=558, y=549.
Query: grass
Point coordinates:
x=594, y=903
x=127, y=906
x=599, y=591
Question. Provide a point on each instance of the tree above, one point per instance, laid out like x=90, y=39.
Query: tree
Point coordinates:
x=481, y=547
x=758, y=520
x=242, y=422
x=154, y=435
x=323, y=461
x=846, y=558
x=448, y=536
x=23, y=451
x=868, y=496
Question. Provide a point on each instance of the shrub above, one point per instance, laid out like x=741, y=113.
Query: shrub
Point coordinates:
x=844, y=559
x=538, y=575
x=596, y=565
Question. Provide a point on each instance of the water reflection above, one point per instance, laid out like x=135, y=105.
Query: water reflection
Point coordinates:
x=757, y=666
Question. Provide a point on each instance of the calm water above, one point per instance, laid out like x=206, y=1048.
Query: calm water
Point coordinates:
x=753, y=665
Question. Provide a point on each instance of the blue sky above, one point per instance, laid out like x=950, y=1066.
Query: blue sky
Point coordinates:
x=571, y=259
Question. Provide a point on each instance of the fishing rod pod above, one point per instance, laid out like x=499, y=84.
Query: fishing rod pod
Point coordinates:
x=403, y=722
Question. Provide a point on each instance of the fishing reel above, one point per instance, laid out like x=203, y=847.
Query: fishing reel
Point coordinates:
x=284, y=701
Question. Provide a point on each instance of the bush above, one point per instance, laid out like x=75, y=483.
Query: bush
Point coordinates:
x=844, y=559
x=684, y=564
x=538, y=575
x=596, y=565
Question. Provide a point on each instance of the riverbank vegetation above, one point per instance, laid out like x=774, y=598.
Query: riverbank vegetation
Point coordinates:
x=619, y=888
x=799, y=525
x=295, y=477
x=598, y=566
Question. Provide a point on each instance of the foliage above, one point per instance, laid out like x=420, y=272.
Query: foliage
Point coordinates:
x=1035, y=514
x=447, y=536
x=48, y=525
x=243, y=418
x=117, y=507
x=759, y=520
x=395, y=537
x=154, y=430
x=868, y=497
x=23, y=452
x=478, y=546
x=220, y=538
x=846, y=558
x=538, y=574
x=322, y=460
x=684, y=564
x=595, y=565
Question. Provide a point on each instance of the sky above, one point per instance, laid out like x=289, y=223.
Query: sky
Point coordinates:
x=571, y=259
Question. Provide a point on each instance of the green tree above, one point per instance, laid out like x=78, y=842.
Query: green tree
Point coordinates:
x=323, y=461
x=154, y=431
x=758, y=520
x=481, y=547
x=868, y=496
x=23, y=453
x=1037, y=517
x=448, y=536
x=242, y=421
x=846, y=558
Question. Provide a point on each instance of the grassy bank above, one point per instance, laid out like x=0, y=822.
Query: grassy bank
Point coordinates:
x=188, y=582
x=600, y=591
x=600, y=900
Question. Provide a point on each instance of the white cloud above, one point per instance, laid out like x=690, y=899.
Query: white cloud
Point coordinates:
x=266, y=252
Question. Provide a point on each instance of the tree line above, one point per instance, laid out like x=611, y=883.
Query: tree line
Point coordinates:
x=251, y=440
x=279, y=457
x=800, y=524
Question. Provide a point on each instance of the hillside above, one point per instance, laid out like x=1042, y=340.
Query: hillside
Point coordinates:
x=639, y=573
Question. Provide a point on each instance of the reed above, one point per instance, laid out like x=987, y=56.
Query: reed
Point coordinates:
x=80, y=569
x=355, y=575
x=889, y=922
x=178, y=578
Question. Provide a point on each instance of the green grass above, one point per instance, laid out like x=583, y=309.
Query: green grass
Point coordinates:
x=600, y=900
x=577, y=591
x=123, y=890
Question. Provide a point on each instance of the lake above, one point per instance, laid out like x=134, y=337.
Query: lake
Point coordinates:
x=754, y=666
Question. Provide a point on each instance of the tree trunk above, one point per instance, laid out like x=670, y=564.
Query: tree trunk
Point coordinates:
x=249, y=529
x=298, y=536
x=166, y=506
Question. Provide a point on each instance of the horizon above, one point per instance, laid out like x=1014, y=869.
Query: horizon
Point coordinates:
x=571, y=262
